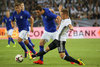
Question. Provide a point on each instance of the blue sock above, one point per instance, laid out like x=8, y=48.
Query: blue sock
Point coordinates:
x=9, y=39
x=30, y=41
x=12, y=40
x=23, y=46
x=41, y=49
x=66, y=53
x=31, y=48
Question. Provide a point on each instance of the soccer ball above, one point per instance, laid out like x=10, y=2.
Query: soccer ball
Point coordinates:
x=19, y=58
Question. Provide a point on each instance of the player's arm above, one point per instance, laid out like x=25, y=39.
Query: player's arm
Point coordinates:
x=58, y=20
x=2, y=24
x=70, y=27
x=12, y=24
x=31, y=22
x=60, y=8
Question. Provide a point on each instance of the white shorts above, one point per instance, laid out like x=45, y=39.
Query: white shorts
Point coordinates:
x=9, y=32
x=23, y=35
x=48, y=35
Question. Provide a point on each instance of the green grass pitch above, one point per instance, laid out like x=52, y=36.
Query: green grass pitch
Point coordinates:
x=86, y=49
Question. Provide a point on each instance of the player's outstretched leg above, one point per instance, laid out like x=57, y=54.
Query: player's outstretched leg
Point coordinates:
x=48, y=48
x=23, y=46
x=30, y=46
x=70, y=59
x=68, y=55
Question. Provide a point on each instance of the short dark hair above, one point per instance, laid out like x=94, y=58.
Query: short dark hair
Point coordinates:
x=65, y=11
x=39, y=7
x=21, y=2
x=17, y=3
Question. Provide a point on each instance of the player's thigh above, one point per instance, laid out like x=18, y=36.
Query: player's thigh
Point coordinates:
x=23, y=35
x=61, y=47
x=53, y=44
x=46, y=36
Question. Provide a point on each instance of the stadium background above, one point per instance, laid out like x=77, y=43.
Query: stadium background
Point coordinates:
x=85, y=15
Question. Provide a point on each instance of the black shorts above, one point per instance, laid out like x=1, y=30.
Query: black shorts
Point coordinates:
x=58, y=44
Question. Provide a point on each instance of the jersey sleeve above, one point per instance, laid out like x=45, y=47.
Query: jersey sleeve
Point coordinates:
x=67, y=22
x=51, y=15
x=27, y=14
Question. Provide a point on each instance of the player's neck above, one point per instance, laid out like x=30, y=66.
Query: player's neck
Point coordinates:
x=43, y=11
x=66, y=17
x=7, y=16
x=18, y=12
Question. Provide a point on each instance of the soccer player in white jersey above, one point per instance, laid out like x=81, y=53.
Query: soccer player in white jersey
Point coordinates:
x=60, y=40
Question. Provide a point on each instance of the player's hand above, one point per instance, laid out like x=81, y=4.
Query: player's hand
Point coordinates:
x=32, y=30
x=60, y=7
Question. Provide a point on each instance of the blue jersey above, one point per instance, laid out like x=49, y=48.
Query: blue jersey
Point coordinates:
x=49, y=20
x=7, y=21
x=21, y=20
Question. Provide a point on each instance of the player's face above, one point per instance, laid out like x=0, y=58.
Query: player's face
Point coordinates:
x=62, y=15
x=7, y=13
x=38, y=12
x=22, y=6
x=18, y=8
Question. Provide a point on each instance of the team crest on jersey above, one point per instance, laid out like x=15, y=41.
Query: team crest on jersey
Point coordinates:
x=21, y=17
x=45, y=16
x=9, y=19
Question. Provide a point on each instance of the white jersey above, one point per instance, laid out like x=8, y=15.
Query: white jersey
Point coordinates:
x=63, y=30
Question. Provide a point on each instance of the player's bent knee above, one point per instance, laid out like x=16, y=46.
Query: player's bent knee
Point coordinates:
x=26, y=42
x=47, y=48
x=62, y=55
x=42, y=43
x=19, y=39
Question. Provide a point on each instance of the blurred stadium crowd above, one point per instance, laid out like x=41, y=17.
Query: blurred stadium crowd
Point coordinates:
x=81, y=10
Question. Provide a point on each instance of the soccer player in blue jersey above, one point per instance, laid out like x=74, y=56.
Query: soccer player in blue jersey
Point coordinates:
x=28, y=28
x=21, y=19
x=28, y=25
x=50, y=28
x=7, y=21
